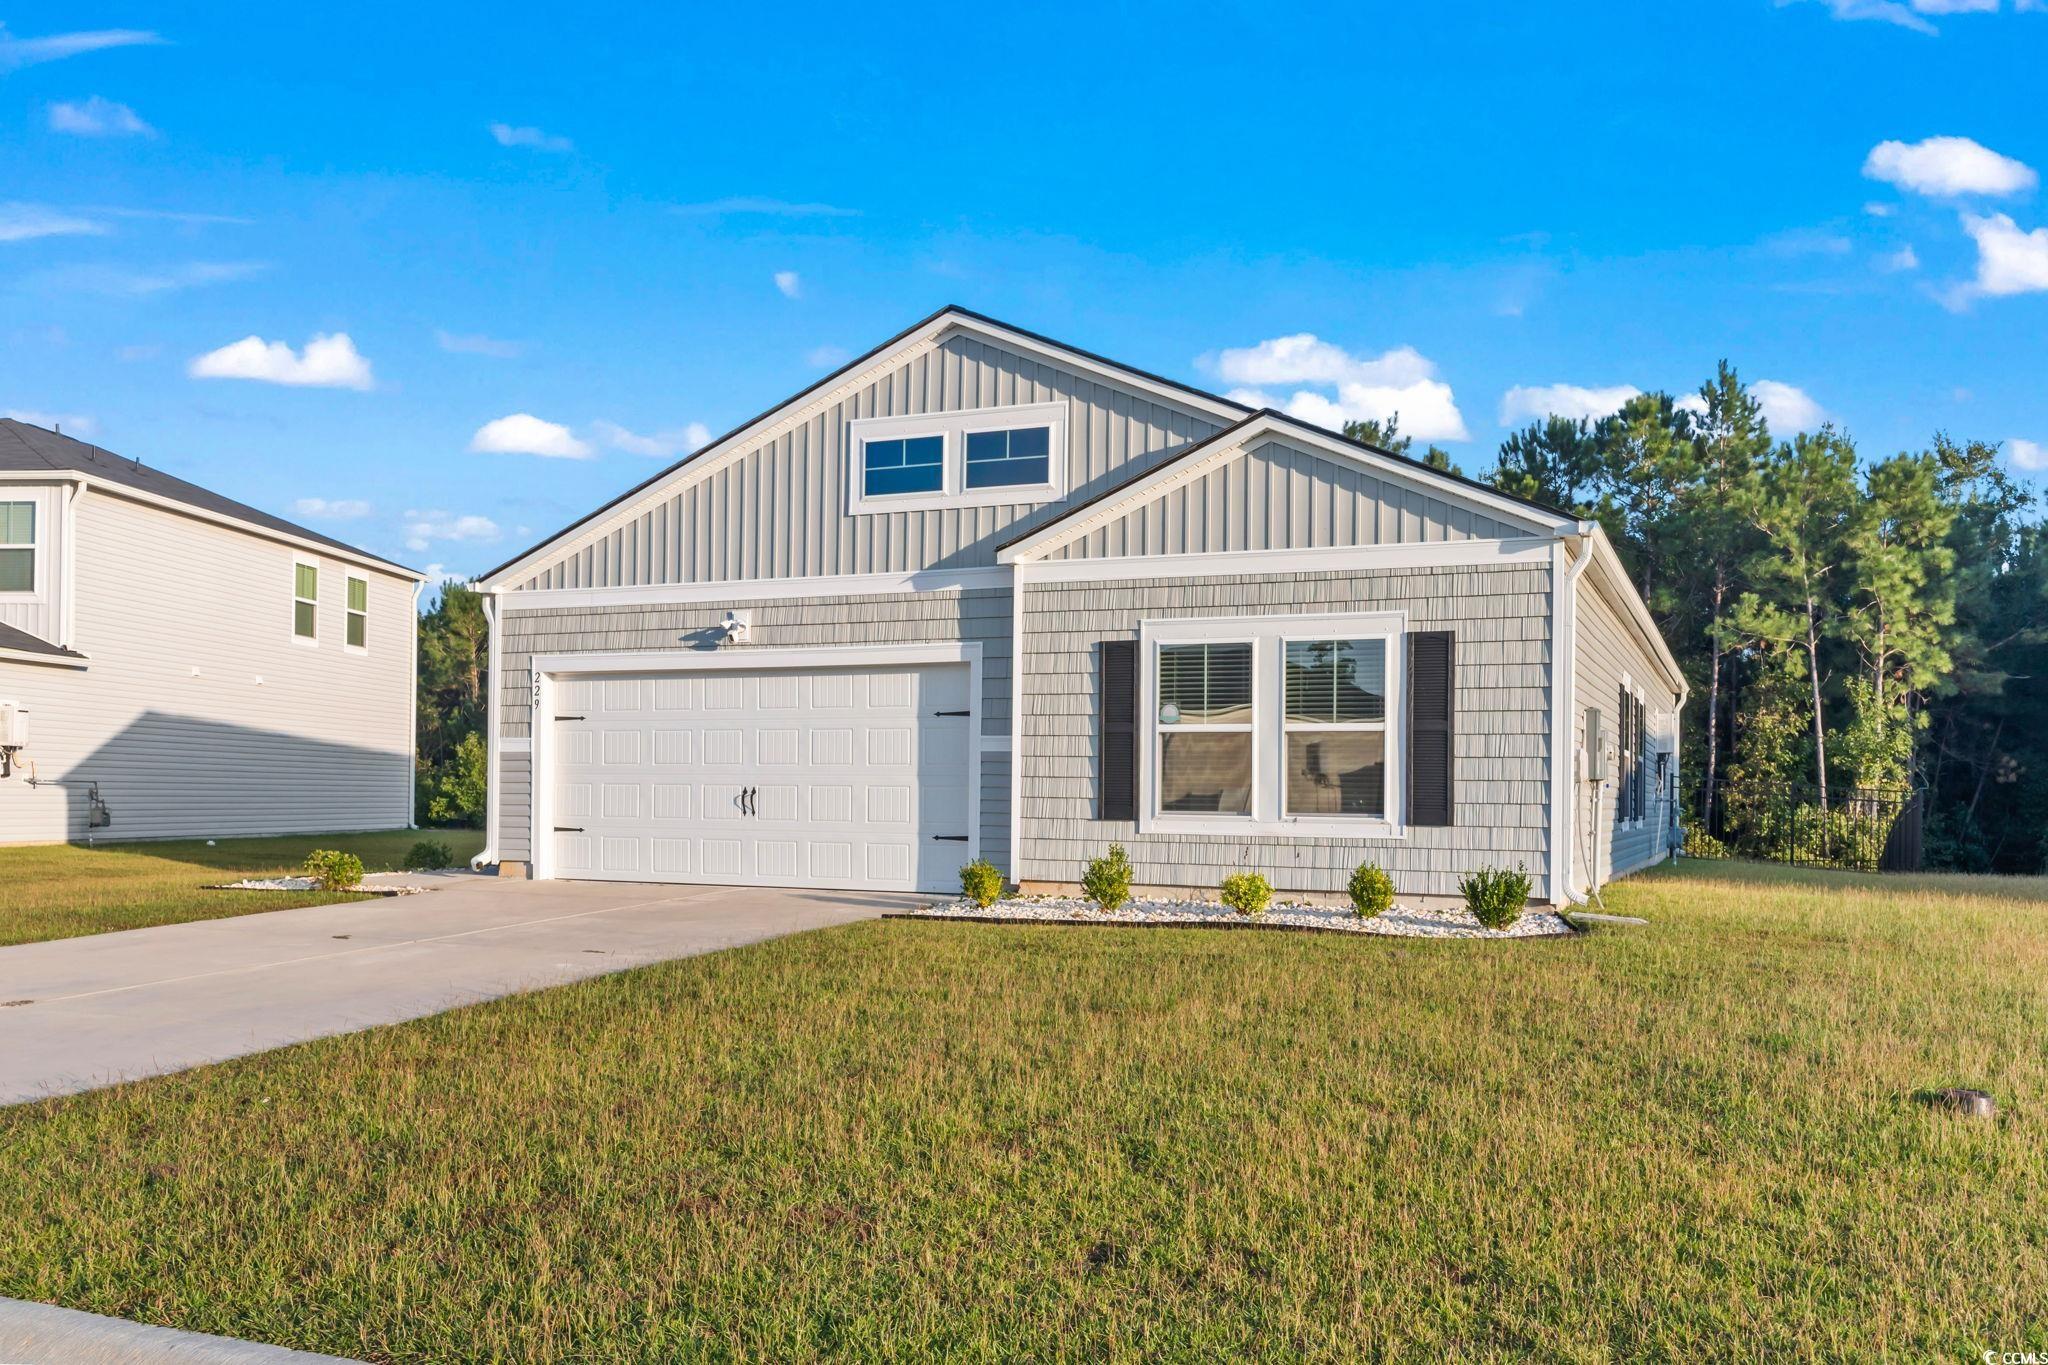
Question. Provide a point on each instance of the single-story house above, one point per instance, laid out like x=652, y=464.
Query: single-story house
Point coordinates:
x=982, y=594
x=176, y=664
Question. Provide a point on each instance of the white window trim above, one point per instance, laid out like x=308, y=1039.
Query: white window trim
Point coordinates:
x=347, y=611
x=38, y=547
x=1268, y=636
x=291, y=623
x=953, y=429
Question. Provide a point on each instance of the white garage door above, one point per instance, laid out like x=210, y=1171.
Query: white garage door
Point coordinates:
x=848, y=777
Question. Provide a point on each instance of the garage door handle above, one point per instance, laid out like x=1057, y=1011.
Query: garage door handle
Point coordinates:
x=568, y=829
x=950, y=838
x=571, y=717
x=952, y=713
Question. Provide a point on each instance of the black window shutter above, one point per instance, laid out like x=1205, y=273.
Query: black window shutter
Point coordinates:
x=1117, y=784
x=1432, y=727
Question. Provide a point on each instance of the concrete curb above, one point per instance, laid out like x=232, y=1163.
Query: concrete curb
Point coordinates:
x=43, y=1334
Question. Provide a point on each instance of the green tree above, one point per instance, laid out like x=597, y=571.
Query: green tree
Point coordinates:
x=1648, y=465
x=1807, y=507
x=1708, y=539
x=1387, y=436
x=454, y=692
x=1556, y=462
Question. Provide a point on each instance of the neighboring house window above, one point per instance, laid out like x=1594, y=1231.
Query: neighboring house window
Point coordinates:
x=979, y=457
x=305, y=600
x=1205, y=728
x=906, y=465
x=358, y=636
x=17, y=547
x=1006, y=459
x=1336, y=727
x=1281, y=725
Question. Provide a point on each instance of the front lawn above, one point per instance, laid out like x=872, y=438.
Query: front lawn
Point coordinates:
x=64, y=890
x=1693, y=1140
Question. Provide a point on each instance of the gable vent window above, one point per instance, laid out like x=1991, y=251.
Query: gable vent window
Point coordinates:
x=976, y=457
x=912, y=465
x=305, y=601
x=1007, y=459
x=358, y=636
x=17, y=547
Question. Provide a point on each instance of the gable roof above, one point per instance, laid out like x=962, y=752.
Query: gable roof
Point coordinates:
x=29, y=449
x=1237, y=438
x=15, y=642
x=928, y=330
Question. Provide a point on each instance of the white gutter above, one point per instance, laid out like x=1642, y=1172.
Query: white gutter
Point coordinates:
x=67, y=601
x=489, y=856
x=1564, y=797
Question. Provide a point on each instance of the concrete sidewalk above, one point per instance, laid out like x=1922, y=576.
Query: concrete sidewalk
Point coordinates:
x=80, y=1013
x=40, y=1334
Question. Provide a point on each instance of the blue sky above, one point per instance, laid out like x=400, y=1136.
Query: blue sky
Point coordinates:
x=635, y=228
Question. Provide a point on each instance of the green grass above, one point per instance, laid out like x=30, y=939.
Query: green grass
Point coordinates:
x=64, y=890
x=1690, y=1141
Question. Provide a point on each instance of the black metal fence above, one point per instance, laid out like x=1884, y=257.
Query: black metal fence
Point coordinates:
x=1870, y=829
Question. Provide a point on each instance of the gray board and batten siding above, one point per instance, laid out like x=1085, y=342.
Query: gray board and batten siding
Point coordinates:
x=779, y=510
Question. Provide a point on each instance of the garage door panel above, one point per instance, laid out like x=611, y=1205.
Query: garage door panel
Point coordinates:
x=848, y=777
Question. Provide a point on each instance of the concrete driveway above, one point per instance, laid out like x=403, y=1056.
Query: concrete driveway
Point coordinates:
x=80, y=1013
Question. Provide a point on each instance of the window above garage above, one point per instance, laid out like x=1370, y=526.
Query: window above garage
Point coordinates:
x=984, y=457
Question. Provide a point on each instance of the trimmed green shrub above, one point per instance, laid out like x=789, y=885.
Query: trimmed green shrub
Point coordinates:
x=981, y=883
x=429, y=854
x=1372, y=890
x=1107, y=879
x=333, y=870
x=1495, y=896
x=1247, y=893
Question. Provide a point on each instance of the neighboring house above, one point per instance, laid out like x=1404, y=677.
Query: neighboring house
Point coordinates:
x=190, y=666
x=979, y=593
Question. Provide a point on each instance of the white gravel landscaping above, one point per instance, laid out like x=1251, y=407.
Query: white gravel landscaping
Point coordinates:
x=1399, y=922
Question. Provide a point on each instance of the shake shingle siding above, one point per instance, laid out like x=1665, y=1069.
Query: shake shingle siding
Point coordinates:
x=978, y=615
x=1502, y=618
x=1607, y=651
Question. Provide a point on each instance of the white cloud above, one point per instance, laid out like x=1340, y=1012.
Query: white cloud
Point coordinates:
x=1946, y=167
x=120, y=282
x=524, y=434
x=1912, y=13
x=2031, y=456
x=788, y=283
x=422, y=529
x=97, y=117
x=74, y=423
x=1532, y=402
x=510, y=136
x=328, y=362
x=331, y=509
x=1880, y=210
x=19, y=52
x=478, y=345
x=1905, y=258
x=1786, y=408
x=661, y=445
x=1399, y=382
x=21, y=222
x=2010, y=260
x=754, y=204
x=825, y=357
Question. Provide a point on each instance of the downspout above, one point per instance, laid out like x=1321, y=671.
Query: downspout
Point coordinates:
x=412, y=725
x=67, y=602
x=1564, y=662
x=489, y=856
